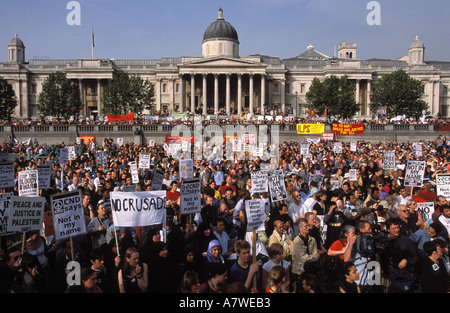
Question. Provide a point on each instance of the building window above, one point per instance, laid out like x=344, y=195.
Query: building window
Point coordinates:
x=221, y=51
x=287, y=88
x=164, y=88
x=275, y=88
x=302, y=88
x=177, y=88
x=33, y=89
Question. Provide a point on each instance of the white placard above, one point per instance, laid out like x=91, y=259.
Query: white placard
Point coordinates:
x=7, y=175
x=68, y=215
x=277, y=187
x=186, y=169
x=28, y=183
x=443, y=185
x=141, y=208
x=415, y=170
x=255, y=213
x=26, y=213
x=44, y=176
x=144, y=160
x=190, y=196
x=134, y=172
x=259, y=181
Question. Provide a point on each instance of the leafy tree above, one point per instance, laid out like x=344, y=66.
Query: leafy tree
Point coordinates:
x=59, y=97
x=400, y=93
x=125, y=94
x=335, y=94
x=7, y=100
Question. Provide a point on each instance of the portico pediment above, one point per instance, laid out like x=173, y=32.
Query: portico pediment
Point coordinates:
x=222, y=64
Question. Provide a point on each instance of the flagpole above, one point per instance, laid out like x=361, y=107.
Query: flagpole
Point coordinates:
x=92, y=44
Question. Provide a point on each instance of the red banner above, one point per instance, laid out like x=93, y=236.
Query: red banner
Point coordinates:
x=122, y=117
x=178, y=139
x=348, y=129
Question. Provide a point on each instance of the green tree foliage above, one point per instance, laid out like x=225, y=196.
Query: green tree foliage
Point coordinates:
x=7, y=100
x=401, y=94
x=335, y=94
x=125, y=94
x=60, y=97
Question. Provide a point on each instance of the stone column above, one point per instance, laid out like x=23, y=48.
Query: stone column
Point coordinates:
x=227, y=100
x=250, y=91
x=216, y=93
x=25, y=103
x=193, y=93
x=369, y=88
x=158, y=94
x=80, y=85
x=204, y=95
x=282, y=95
x=181, y=93
x=99, y=96
x=263, y=93
x=239, y=95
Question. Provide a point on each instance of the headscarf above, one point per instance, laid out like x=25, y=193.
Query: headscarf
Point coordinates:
x=210, y=257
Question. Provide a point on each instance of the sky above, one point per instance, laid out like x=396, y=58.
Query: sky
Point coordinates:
x=153, y=29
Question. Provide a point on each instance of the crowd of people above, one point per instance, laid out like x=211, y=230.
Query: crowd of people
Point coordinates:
x=336, y=236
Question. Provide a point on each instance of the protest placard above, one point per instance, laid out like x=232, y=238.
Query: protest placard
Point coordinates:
x=318, y=178
x=26, y=213
x=119, y=142
x=415, y=171
x=443, y=185
x=304, y=149
x=4, y=213
x=186, y=169
x=277, y=187
x=72, y=154
x=157, y=180
x=352, y=175
x=259, y=181
x=144, y=160
x=68, y=215
x=28, y=183
x=63, y=156
x=426, y=209
x=129, y=188
x=44, y=176
x=353, y=146
x=140, y=208
x=190, y=196
x=7, y=175
x=102, y=158
x=337, y=147
x=389, y=160
x=255, y=213
x=134, y=172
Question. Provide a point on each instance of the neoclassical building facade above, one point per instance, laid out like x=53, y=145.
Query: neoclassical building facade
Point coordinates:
x=220, y=81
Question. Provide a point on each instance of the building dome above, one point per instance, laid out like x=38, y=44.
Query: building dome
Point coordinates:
x=220, y=29
x=16, y=42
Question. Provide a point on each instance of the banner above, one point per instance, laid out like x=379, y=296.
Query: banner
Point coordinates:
x=27, y=183
x=277, y=187
x=310, y=128
x=328, y=136
x=259, y=181
x=87, y=139
x=348, y=129
x=120, y=117
x=141, y=208
x=255, y=213
x=179, y=139
x=415, y=171
x=26, y=213
x=68, y=215
x=190, y=196
x=7, y=175
x=44, y=176
x=389, y=160
x=443, y=185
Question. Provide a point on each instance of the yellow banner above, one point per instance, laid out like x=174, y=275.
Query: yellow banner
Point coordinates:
x=310, y=128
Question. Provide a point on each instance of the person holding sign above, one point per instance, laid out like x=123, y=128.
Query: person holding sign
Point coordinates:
x=98, y=226
x=243, y=271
